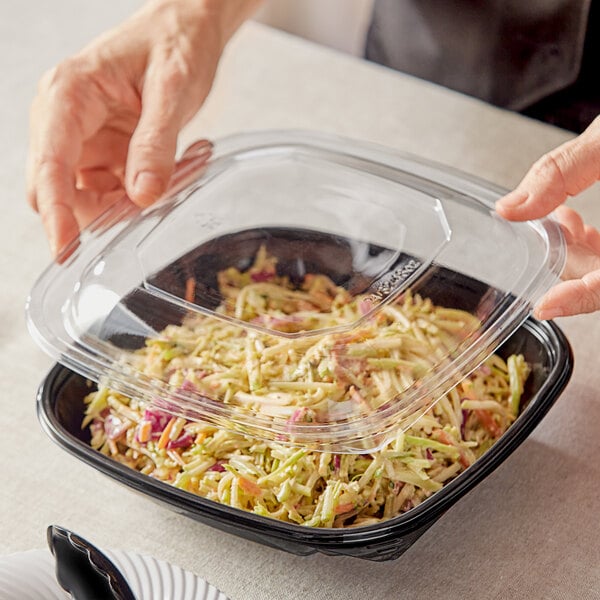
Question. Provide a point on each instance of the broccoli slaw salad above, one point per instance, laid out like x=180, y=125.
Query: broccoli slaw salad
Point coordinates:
x=304, y=380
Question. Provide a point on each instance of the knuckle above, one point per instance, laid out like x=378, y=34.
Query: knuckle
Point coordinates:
x=151, y=153
x=590, y=297
x=550, y=166
x=62, y=75
x=591, y=303
x=178, y=83
x=176, y=71
x=150, y=143
x=551, y=171
x=66, y=84
x=50, y=163
x=566, y=167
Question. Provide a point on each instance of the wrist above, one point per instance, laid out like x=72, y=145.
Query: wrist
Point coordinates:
x=229, y=14
x=224, y=16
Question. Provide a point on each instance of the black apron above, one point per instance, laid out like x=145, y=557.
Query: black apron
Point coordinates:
x=511, y=53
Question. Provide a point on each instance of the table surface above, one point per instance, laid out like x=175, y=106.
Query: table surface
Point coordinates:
x=530, y=530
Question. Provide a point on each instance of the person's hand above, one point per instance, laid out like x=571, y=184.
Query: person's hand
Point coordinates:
x=564, y=172
x=105, y=122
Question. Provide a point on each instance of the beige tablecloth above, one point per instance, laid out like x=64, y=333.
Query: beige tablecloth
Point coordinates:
x=530, y=530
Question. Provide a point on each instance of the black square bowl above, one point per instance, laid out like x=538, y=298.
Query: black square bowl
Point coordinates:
x=61, y=408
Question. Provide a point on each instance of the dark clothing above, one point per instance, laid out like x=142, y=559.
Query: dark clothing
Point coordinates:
x=531, y=56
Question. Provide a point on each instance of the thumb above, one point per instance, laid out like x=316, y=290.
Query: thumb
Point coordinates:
x=563, y=172
x=151, y=155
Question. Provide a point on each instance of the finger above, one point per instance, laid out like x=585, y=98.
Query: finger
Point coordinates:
x=571, y=221
x=193, y=157
x=583, y=244
x=67, y=115
x=176, y=84
x=98, y=180
x=107, y=148
x=152, y=148
x=592, y=238
x=199, y=147
x=55, y=198
x=573, y=297
x=191, y=165
x=90, y=208
x=54, y=192
x=581, y=259
x=564, y=172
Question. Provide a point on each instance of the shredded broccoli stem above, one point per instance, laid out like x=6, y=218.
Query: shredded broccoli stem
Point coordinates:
x=516, y=368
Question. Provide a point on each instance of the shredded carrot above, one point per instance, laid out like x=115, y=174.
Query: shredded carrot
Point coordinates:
x=468, y=391
x=344, y=508
x=488, y=422
x=200, y=437
x=249, y=486
x=446, y=438
x=164, y=436
x=190, y=289
x=144, y=431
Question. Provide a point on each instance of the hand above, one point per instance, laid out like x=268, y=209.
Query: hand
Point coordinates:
x=564, y=172
x=105, y=122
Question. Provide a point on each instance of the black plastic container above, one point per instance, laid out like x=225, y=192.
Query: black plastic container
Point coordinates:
x=60, y=409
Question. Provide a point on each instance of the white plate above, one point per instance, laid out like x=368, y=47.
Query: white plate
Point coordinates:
x=30, y=576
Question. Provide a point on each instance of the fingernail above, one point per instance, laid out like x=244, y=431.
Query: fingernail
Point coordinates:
x=147, y=187
x=513, y=199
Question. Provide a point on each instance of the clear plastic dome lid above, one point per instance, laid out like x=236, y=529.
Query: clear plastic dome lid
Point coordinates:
x=296, y=287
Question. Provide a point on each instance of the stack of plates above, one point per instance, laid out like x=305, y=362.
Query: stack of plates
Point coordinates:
x=30, y=576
